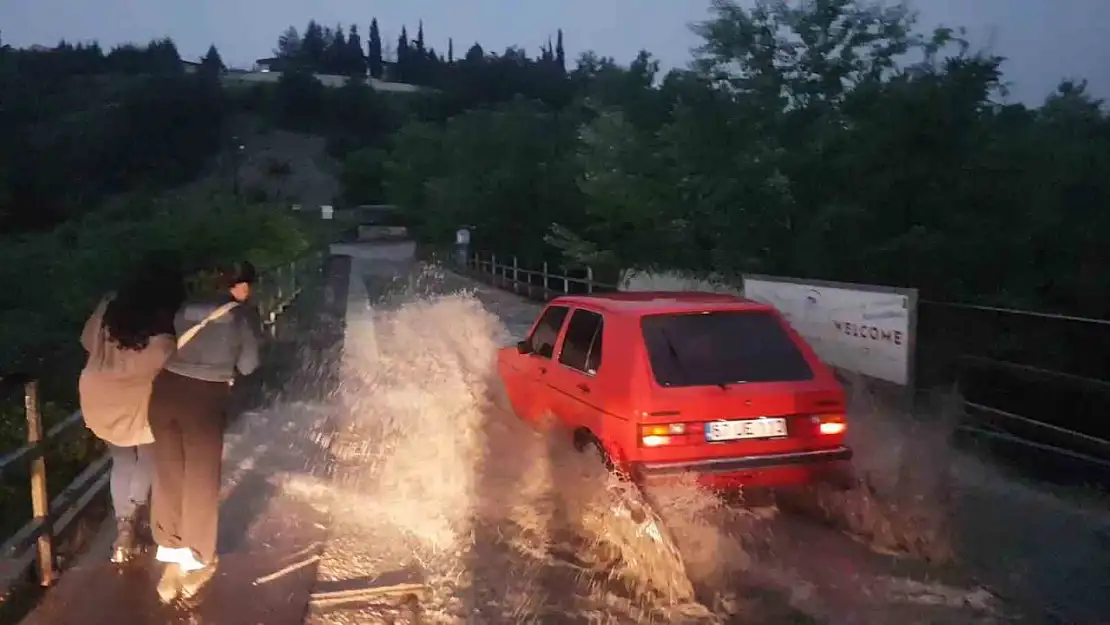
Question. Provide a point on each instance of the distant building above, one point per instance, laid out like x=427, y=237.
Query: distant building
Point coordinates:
x=272, y=64
x=191, y=67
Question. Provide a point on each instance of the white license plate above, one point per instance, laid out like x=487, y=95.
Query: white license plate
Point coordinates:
x=738, y=430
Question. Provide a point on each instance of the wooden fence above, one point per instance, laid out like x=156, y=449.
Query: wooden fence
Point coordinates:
x=33, y=544
x=1015, y=392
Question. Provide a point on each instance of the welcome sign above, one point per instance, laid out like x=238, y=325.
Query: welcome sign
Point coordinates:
x=862, y=328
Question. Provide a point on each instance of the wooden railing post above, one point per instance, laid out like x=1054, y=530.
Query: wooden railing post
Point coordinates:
x=590, y=280
x=40, y=499
x=280, y=280
x=493, y=269
x=545, y=277
x=566, y=282
x=516, y=274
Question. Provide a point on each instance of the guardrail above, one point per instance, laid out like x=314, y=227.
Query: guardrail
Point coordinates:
x=543, y=284
x=1034, y=380
x=1005, y=405
x=33, y=544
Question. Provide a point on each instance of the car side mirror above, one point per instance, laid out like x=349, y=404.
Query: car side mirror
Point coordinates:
x=523, y=347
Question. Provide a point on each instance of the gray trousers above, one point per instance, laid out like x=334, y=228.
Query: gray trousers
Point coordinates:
x=132, y=473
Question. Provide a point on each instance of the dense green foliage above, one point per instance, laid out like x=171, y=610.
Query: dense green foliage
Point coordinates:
x=80, y=125
x=832, y=141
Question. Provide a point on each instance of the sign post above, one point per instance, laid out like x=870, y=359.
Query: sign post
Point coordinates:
x=462, y=246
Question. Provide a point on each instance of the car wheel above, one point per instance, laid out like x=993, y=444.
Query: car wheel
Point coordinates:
x=588, y=444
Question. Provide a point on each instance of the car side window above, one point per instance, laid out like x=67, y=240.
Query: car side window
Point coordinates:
x=546, y=332
x=582, y=345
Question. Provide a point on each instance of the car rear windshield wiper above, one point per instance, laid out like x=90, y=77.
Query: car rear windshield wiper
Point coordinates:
x=674, y=353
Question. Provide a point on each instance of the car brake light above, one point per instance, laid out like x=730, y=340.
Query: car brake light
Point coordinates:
x=830, y=424
x=664, y=434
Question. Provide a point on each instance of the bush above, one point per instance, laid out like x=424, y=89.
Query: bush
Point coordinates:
x=54, y=280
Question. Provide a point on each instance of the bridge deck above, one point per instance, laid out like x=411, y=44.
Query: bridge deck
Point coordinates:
x=275, y=524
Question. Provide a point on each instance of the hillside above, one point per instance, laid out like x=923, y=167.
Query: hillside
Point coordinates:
x=273, y=165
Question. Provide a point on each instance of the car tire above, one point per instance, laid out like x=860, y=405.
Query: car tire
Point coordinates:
x=587, y=443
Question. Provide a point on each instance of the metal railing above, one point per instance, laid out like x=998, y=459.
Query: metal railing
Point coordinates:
x=33, y=544
x=1035, y=380
x=990, y=416
x=543, y=284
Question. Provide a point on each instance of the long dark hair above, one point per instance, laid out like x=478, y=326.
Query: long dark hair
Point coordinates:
x=145, y=305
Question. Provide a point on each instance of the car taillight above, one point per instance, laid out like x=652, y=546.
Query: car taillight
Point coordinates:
x=664, y=434
x=829, y=424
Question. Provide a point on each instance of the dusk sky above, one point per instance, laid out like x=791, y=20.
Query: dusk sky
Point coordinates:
x=1044, y=40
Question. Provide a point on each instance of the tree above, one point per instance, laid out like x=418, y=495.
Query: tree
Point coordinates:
x=314, y=46
x=337, y=55
x=211, y=63
x=362, y=176
x=404, y=58
x=355, y=63
x=560, y=54
x=289, y=45
x=374, y=50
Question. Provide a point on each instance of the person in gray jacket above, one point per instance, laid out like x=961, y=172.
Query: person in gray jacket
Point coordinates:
x=216, y=338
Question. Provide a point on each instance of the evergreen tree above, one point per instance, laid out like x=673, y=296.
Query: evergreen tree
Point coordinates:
x=313, y=46
x=420, y=38
x=211, y=63
x=475, y=54
x=335, y=61
x=451, y=51
x=546, y=54
x=355, y=59
x=560, y=54
x=289, y=45
x=404, y=58
x=374, y=50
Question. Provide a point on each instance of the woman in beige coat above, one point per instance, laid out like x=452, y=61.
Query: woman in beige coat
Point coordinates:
x=128, y=338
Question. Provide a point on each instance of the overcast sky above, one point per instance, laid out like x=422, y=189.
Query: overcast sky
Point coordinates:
x=1044, y=40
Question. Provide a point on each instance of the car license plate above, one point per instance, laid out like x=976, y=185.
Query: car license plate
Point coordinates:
x=737, y=430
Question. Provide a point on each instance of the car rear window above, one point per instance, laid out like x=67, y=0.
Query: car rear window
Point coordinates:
x=714, y=348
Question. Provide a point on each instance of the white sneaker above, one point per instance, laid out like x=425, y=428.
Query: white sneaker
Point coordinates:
x=188, y=562
x=168, y=555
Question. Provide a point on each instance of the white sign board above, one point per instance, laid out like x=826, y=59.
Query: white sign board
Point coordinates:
x=865, y=329
x=462, y=237
x=327, y=212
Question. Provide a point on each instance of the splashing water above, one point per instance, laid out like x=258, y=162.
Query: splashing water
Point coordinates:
x=507, y=523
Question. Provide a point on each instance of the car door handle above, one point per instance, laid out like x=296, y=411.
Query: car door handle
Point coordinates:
x=583, y=388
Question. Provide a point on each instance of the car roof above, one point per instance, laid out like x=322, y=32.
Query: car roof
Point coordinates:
x=638, y=303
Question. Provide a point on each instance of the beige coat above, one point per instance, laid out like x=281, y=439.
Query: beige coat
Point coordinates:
x=116, y=383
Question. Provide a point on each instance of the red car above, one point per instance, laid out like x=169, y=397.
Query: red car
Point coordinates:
x=664, y=383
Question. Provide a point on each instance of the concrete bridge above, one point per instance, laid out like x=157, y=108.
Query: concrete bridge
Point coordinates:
x=380, y=479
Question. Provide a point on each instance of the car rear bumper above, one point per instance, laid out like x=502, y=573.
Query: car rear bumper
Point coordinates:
x=831, y=466
x=745, y=463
